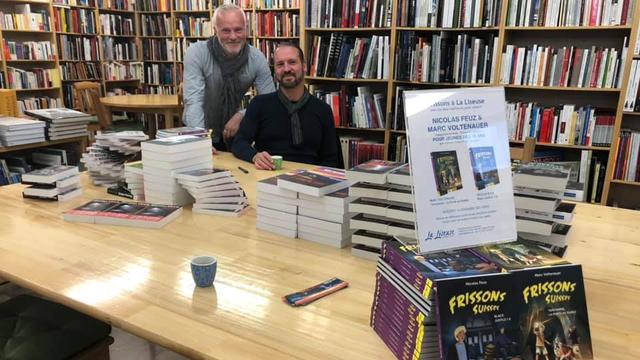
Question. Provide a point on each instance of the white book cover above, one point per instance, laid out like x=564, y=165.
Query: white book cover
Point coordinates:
x=458, y=146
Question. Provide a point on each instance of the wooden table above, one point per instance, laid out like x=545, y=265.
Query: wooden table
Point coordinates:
x=159, y=104
x=139, y=279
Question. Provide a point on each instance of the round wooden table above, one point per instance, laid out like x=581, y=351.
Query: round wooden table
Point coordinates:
x=158, y=104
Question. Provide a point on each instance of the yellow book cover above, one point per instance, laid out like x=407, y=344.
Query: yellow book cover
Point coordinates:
x=55, y=78
x=572, y=128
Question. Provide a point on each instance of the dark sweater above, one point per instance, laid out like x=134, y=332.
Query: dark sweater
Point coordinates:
x=267, y=125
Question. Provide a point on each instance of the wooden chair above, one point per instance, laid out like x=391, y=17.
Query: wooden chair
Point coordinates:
x=524, y=154
x=84, y=94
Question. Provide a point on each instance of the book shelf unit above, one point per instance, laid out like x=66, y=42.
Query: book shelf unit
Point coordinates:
x=36, y=28
x=579, y=36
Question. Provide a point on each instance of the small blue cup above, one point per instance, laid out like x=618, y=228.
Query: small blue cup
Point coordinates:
x=203, y=270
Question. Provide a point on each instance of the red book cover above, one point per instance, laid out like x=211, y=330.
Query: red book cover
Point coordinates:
x=595, y=7
x=547, y=73
x=625, y=12
x=344, y=18
x=335, y=108
x=596, y=68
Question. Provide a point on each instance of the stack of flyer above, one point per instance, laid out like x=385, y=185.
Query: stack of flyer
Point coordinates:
x=123, y=213
x=16, y=131
x=106, y=157
x=62, y=123
x=541, y=216
x=484, y=302
x=163, y=158
x=184, y=130
x=216, y=191
x=52, y=183
x=322, y=214
x=382, y=205
x=277, y=208
x=132, y=187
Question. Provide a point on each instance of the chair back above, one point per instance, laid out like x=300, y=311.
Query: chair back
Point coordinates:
x=87, y=99
x=8, y=103
x=524, y=153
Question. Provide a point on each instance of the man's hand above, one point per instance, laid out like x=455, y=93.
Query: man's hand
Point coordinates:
x=232, y=126
x=262, y=161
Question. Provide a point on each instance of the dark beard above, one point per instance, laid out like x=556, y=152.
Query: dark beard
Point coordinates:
x=289, y=85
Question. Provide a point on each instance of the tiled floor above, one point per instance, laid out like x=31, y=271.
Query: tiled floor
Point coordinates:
x=125, y=347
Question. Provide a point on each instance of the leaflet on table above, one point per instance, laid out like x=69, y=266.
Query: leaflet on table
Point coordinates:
x=459, y=156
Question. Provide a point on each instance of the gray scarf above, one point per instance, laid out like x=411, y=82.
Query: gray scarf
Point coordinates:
x=230, y=70
x=292, y=110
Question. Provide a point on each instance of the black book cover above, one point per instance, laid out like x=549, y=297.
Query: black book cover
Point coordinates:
x=477, y=318
x=446, y=171
x=553, y=317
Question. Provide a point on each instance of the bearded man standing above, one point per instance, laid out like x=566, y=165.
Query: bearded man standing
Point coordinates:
x=289, y=122
x=217, y=74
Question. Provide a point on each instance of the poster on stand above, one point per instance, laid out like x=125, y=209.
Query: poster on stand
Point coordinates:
x=459, y=156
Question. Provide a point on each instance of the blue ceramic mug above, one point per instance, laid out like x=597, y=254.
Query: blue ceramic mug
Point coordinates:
x=203, y=270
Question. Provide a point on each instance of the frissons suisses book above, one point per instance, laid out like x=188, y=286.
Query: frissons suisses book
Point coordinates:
x=446, y=171
x=57, y=114
x=373, y=171
x=176, y=144
x=318, y=181
x=517, y=255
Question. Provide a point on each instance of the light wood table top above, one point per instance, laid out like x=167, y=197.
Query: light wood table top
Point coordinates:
x=141, y=101
x=139, y=279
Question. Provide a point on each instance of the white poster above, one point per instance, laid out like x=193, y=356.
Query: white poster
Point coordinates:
x=459, y=156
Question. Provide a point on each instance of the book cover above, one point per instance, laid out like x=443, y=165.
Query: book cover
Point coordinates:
x=155, y=213
x=446, y=171
x=477, y=318
x=318, y=181
x=517, y=255
x=553, y=316
x=374, y=171
x=483, y=163
x=56, y=113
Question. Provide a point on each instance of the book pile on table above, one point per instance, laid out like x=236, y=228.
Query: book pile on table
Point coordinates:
x=62, y=123
x=106, y=157
x=479, y=301
x=382, y=204
x=307, y=204
x=162, y=158
x=277, y=208
x=17, y=131
x=52, y=183
x=122, y=213
x=541, y=216
x=184, y=130
x=132, y=187
x=216, y=191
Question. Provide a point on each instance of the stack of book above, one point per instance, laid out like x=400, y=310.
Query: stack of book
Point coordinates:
x=132, y=187
x=325, y=219
x=52, y=183
x=106, y=157
x=62, y=123
x=322, y=216
x=184, y=130
x=541, y=216
x=162, y=158
x=121, y=213
x=16, y=131
x=382, y=204
x=216, y=191
x=483, y=302
x=277, y=208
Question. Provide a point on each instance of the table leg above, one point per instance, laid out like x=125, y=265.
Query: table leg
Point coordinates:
x=168, y=119
x=108, y=117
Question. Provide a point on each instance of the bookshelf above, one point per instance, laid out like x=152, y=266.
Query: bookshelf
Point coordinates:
x=565, y=30
x=29, y=57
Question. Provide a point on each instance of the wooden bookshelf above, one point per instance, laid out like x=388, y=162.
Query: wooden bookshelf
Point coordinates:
x=613, y=97
x=23, y=35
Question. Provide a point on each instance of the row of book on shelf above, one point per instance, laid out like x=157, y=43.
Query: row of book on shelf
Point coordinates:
x=358, y=107
x=632, y=98
x=80, y=21
x=569, y=13
x=448, y=13
x=347, y=56
x=278, y=24
x=24, y=17
x=348, y=14
x=563, y=124
x=536, y=65
x=28, y=50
